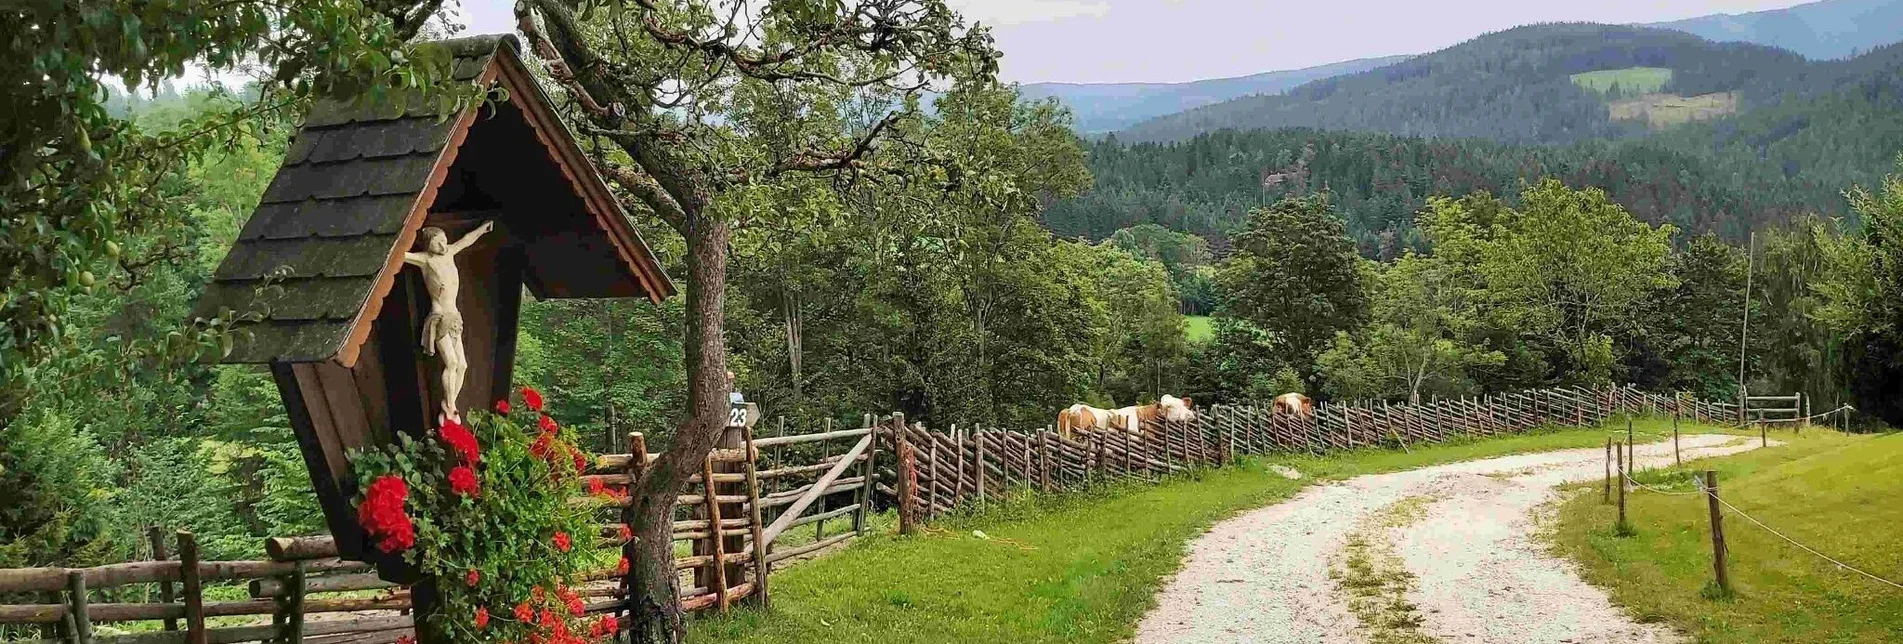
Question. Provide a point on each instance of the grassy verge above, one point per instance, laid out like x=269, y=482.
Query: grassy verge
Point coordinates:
x=1834, y=492
x=1071, y=568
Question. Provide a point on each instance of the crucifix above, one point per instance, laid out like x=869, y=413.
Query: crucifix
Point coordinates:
x=443, y=329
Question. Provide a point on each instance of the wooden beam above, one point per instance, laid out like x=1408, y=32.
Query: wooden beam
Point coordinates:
x=818, y=489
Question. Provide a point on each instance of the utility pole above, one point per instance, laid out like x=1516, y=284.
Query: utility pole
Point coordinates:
x=1744, y=330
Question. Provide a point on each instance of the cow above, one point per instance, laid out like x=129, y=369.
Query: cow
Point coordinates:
x=1130, y=419
x=1292, y=403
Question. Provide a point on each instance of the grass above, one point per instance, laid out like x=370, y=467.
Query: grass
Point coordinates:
x=1834, y=492
x=1081, y=567
x=1632, y=80
x=1375, y=580
x=1199, y=328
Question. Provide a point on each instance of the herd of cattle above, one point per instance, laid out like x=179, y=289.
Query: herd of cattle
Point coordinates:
x=1132, y=419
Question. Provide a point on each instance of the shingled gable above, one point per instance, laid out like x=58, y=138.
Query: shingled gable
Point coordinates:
x=326, y=243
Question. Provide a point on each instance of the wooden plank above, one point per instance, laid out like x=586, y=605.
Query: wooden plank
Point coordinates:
x=795, y=439
x=816, y=490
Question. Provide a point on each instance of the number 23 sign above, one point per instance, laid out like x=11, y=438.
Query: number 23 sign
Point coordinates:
x=743, y=415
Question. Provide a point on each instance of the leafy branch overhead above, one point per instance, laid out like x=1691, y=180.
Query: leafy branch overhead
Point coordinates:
x=81, y=183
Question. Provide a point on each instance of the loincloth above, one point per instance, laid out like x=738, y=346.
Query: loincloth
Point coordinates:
x=440, y=325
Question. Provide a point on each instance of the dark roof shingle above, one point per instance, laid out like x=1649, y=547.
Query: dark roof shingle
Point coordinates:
x=310, y=255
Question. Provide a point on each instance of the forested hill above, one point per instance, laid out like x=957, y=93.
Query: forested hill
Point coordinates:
x=1378, y=182
x=1106, y=107
x=1515, y=86
x=1818, y=30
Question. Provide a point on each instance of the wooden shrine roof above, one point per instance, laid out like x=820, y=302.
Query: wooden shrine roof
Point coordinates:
x=328, y=236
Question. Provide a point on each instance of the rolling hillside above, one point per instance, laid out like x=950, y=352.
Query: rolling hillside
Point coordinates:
x=1514, y=86
x=1106, y=107
x=1818, y=30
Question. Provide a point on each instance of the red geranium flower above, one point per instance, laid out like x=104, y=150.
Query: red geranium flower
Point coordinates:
x=544, y=445
x=502, y=407
x=576, y=608
x=473, y=577
x=533, y=398
x=462, y=480
x=548, y=424
x=561, y=541
x=627, y=533
x=596, y=487
x=405, y=639
x=461, y=441
x=622, y=566
x=581, y=460
x=523, y=613
x=609, y=625
x=381, y=514
x=536, y=594
x=482, y=617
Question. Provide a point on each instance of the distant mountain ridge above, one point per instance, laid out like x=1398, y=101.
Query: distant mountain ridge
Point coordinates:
x=1819, y=30
x=1512, y=86
x=1105, y=107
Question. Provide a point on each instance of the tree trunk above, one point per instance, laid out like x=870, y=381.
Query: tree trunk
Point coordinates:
x=656, y=610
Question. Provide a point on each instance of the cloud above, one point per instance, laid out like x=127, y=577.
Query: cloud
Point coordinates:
x=1012, y=12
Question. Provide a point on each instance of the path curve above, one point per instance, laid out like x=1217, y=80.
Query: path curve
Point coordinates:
x=1479, y=577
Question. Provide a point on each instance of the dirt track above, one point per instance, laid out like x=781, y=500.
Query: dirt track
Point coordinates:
x=1463, y=534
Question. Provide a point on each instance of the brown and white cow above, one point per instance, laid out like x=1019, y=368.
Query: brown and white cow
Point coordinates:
x=1129, y=419
x=1292, y=403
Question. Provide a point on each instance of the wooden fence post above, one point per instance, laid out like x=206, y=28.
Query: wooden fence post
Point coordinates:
x=908, y=478
x=1606, y=496
x=1044, y=460
x=958, y=468
x=761, y=569
x=1718, y=551
x=936, y=475
x=157, y=537
x=978, y=460
x=76, y=607
x=194, y=591
x=1677, y=458
x=716, y=538
x=294, y=605
x=1623, y=527
x=637, y=461
x=869, y=474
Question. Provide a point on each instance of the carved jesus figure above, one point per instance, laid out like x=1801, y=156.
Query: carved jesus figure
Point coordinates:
x=443, y=329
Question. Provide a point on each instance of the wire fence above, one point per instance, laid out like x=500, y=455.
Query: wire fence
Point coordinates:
x=1700, y=488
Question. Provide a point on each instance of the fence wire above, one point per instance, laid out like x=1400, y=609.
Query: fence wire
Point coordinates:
x=1704, y=491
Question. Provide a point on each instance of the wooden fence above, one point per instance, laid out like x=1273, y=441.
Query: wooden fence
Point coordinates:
x=942, y=471
x=177, y=600
x=754, y=495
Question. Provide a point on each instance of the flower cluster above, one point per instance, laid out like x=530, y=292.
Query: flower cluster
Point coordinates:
x=462, y=480
x=513, y=478
x=382, y=515
x=461, y=440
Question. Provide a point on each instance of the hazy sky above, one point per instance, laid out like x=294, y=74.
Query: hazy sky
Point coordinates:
x=1094, y=41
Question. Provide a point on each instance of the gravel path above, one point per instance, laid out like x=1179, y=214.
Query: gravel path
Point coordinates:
x=1478, y=575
